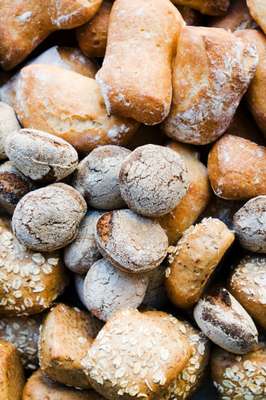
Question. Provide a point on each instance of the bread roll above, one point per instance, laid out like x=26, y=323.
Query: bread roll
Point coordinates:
x=212, y=71
x=257, y=9
x=47, y=100
x=209, y=7
x=237, y=18
x=26, y=23
x=8, y=125
x=135, y=78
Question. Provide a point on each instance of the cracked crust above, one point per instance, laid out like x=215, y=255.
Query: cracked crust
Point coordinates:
x=47, y=219
x=153, y=179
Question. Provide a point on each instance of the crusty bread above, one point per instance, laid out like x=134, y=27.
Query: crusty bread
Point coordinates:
x=26, y=23
x=257, y=9
x=47, y=99
x=237, y=18
x=209, y=7
x=135, y=78
x=212, y=71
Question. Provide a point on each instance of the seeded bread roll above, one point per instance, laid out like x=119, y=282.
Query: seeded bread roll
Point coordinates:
x=92, y=37
x=30, y=282
x=107, y=289
x=96, y=177
x=194, y=259
x=23, y=332
x=83, y=251
x=143, y=353
x=130, y=242
x=248, y=285
x=47, y=219
x=224, y=321
x=206, y=98
x=11, y=372
x=196, y=198
x=237, y=168
x=239, y=377
x=153, y=180
x=237, y=18
x=66, y=335
x=8, y=125
x=257, y=9
x=209, y=7
x=46, y=100
x=39, y=387
x=13, y=186
x=135, y=78
x=41, y=156
x=26, y=23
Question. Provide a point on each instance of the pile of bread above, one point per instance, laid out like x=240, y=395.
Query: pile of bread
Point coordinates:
x=132, y=199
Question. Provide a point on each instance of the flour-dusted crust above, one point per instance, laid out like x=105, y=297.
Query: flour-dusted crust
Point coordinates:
x=209, y=7
x=212, y=71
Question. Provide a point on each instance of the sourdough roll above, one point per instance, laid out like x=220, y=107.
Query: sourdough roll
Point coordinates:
x=237, y=18
x=194, y=259
x=224, y=321
x=247, y=284
x=209, y=7
x=135, y=78
x=8, y=125
x=47, y=100
x=257, y=9
x=143, y=353
x=239, y=377
x=212, y=71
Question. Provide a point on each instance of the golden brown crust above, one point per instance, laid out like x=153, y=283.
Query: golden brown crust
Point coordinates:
x=26, y=23
x=135, y=78
x=257, y=9
x=237, y=18
x=209, y=7
x=237, y=168
x=11, y=372
x=47, y=100
x=195, y=200
x=92, y=37
x=194, y=259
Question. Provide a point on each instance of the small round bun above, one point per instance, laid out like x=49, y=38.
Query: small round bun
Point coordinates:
x=47, y=219
x=153, y=179
x=130, y=242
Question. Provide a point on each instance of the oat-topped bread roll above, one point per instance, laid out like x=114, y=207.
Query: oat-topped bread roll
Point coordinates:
x=237, y=18
x=47, y=99
x=239, y=377
x=209, y=7
x=26, y=23
x=194, y=259
x=92, y=37
x=23, y=332
x=29, y=281
x=11, y=372
x=66, y=335
x=212, y=71
x=143, y=353
x=135, y=78
x=40, y=387
x=8, y=125
x=248, y=285
x=257, y=9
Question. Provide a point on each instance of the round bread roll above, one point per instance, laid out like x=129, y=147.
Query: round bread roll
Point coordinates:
x=8, y=125
x=40, y=387
x=30, y=282
x=107, y=289
x=248, y=285
x=130, y=242
x=11, y=372
x=47, y=219
x=92, y=37
x=209, y=7
x=83, y=251
x=237, y=18
x=23, y=332
x=224, y=321
x=153, y=179
x=194, y=259
x=13, y=186
x=250, y=225
x=46, y=100
x=257, y=9
x=96, y=177
x=41, y=156
x=239, y=377
x=237, y=168
x=143, y=353
x=205, y=98
x=196, y=198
